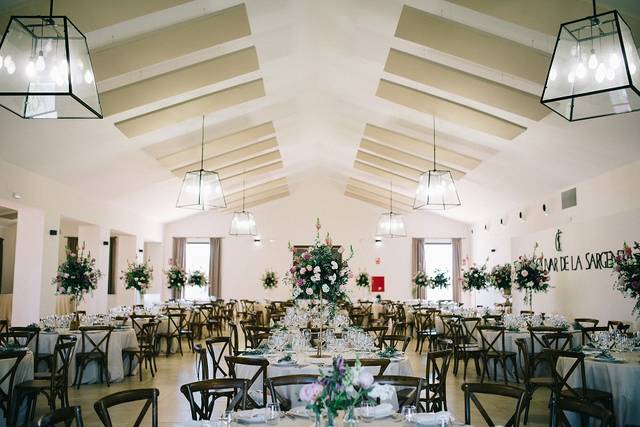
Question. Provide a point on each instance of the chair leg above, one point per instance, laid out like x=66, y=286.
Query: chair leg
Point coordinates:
x=515, y=368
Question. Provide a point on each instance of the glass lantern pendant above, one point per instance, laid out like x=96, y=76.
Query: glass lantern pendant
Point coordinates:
x=243, y=223
x=436, y=189
x=594, y=69
x=45, y=70
x=391, y=224
x=201, y=189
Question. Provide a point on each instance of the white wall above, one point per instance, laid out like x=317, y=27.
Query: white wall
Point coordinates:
x=292, y=219
x=607, y=214
x=8, y=233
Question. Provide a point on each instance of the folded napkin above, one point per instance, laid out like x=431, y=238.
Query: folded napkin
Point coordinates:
x=286, y=360
x=256, y=352
x=252, y=416
x=605, y=356
x=381, y=411
x=433, y=419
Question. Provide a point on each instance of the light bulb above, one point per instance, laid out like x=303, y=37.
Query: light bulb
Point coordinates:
x=40, y=64
x=601, y=73
x=632, y=67
x=31, y=69
x=593, y=60
x=614, y=61
x=7, y=60
x=11, y=67
x=553, y=74
x=571, y=77
x=88, y=77
x=581, y=71
x=610, y=74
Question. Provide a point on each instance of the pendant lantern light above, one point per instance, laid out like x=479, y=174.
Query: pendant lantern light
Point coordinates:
x=201, y=189
x=243, y=223
x=45, y=69
x=436, y=189
x=391, y=224
x=594, y=70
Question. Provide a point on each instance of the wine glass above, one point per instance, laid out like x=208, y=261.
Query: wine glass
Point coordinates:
x=367, y=411
x=272, y=414
x=409, y=414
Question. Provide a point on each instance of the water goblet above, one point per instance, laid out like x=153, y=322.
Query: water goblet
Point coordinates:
x=367, y=411
x=409, y=415
x=272, y=414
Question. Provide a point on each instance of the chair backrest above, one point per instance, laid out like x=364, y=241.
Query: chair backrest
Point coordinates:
x=93, y=342
x=492, y=319
x=447, y=320
x=233, y=337
x=63, y=352
x=261, y=372
x=558, y=340
x=589, y=411
x=34, y=332
x=523, y=353
x=376, y=332
x=137, y=320
x=148, y=334
x=216, y=359
x=618, y=325
x=4, y=326
x=492, y=344
x=405, y=382
x=586, y=322
x=526, y=313
x=289, y=380
x=394, y=340
x=471, y=392
x=470, y=325
x=589, y=332
x=202, y=408
x=148, y=395
x=535, y=335
x=436, y=374
x=176, y=321
x=7, y=380
x=561, y=378
x=63, y=415
x=381, y=363
x=202, y=363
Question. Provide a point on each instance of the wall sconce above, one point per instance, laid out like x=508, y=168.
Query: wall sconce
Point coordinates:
x=378, y=241
x=545, y=209
x=257, y=240
x=521, y=216
x=501, y=221
x=486, y=227
x=17, y=196
x=472, y=231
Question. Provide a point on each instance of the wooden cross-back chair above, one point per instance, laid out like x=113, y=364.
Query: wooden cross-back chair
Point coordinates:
x=470, y=325
x=425, y=326
x=494, y=349
x=558, y=341
x=589, y=332
x=145, y=352
x=66, y=416
x=492, y=319
x=261, y=372
x=175, y=323
x=586, y=322
x=435, y=383
x=138, y=320
x=285, y=381
x=376, y=332
x=234, y=390
x=8, y=404
x=472, y=391
x=147, y=395
x=537, y=343
x=379, y=363
x=217, y=359
x=410, y=386
x=531, y=382
x=464, y=348
x=94, y=347
x=394, y=340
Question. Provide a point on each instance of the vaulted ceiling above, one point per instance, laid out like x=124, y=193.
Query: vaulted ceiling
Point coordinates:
x=345, y=91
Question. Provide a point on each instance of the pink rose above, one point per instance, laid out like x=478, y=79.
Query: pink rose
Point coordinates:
x=310, y=392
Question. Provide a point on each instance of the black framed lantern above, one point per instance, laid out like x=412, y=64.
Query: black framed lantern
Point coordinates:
x=595, y=69
x=46, y=71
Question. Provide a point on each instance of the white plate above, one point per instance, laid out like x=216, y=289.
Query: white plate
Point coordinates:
x=253, y=416
x=431, y=419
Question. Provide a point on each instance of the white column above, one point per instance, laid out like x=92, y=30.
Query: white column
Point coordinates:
x=50, y=262
x=127, y=251
x=92, y=237
x=153, y=252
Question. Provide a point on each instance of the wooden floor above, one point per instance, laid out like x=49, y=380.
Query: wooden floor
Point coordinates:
x=176, y=370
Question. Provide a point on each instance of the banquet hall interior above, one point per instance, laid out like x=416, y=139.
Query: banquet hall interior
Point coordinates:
x=319, y=212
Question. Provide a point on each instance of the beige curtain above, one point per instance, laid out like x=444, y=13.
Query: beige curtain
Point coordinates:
x=456, y=249
x=214, y=266
x=417, y=249
x=179, y=258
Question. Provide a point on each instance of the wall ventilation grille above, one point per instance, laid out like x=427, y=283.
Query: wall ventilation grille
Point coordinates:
x=569, y=198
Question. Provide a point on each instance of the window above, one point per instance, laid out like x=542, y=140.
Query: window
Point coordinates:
x=197, y=258
x=438, y=255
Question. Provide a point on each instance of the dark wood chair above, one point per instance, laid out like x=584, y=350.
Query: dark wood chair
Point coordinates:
x=63, y=415
x=147, y=395
x=563, y=391
x=216, y=359
x=138, y=321
x=394, y=341
x=493, y=350
x=376, y=332
x=410, y=387
x=530, y=380
x=34, y=344
x=558, y=341
x=588, y=412
x=288, y=380
x=537, y=344
x=54, y=387
x=589, y=332
x=175, y=322
x=527, y=313
x=435, y=381
x=471, y=392
x=261, y=372
x=380, y=363
x=618, y=325
x=464, y=348
x=586, y=322
x=233, y=338
x=492, y=319
x=94, y=348
x=8, y=403
x=235, y=390
x=425, y=327
x=145, y=352
x=4, y=326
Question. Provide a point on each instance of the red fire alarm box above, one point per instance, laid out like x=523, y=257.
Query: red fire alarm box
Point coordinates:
x=377, y=283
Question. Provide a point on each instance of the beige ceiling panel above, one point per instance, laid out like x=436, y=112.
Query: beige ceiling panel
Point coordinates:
x=90, y=15
x=247, y=165
x=257, y=189
x=382, y=198
x=417, y=147
x=405, y=158
x=451, y=111
x=544, y=15
x=218, y=146
x=383, y=192
x=258, y=200
x=171, y=42
x=463, y=84
x=232, y=157
x=389, y=165
x=235, y=199
x=375, y=202
x=473, y=45
x=195, y=107
x=236, y=180
x=179, y=81
x=401, y=181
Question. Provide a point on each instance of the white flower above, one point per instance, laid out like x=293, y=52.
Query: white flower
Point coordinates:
x=332, y=278
x=317, y=269
x=363, y=379
x=524, y=273
x=309, y=291
x=309, y=268
x=382, y=392
x=334, y=265
x=315, y=278
x=325, y=288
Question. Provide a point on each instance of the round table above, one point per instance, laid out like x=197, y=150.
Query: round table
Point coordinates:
x=620, y=379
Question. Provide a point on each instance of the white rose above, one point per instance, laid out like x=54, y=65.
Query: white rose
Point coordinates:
x=309, y=291
x=332, y=278
x=334, y=265
x=309, y=268
x=382, y=392
x=325, y=289
x=364, y=379
x=317, y=269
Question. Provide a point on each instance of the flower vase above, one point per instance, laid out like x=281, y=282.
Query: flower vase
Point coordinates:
x=317, y=420
x=350, y=419
x=331, y=419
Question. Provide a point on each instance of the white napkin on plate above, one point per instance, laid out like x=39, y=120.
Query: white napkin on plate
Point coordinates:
x=381, y=411
x=251, y=416
x=433, y=419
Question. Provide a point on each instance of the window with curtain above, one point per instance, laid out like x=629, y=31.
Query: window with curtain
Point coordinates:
x=438, y=255
x=197, y=258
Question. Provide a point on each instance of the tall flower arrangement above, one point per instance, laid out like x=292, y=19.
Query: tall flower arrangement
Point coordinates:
x=474, y=278
x=176, y=276
x=197, y=278
x=138, y=276
x=363, y=280
x=530, y=276
x=439, y=280
x=320, y=272
x=269, y=280
x=77, y=275
x=500, y=277
x=626, y=269
x=421, y=280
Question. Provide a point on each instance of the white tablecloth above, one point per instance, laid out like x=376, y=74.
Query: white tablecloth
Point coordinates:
x=119, y=339
x=23, y=373
x=620, y=379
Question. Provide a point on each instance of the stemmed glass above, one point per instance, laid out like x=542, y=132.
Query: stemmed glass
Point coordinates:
x=272, y=414
x=409, y=415
x=367, y=411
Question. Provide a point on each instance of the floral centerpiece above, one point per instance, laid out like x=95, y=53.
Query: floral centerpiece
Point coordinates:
x=421, y=280
x=530, y=276
x=474, y=278
x=138, y=276
x=342, y=388
x=363, y=280
x=76, y=276
x=176, y=277
x=500, y=277
x=439, y=280
x=269, y=280
x=626, y=268
x=197, y=278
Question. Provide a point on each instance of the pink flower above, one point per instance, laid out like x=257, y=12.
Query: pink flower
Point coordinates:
x=627, y=250
x=310, y=392
x=292, y=270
